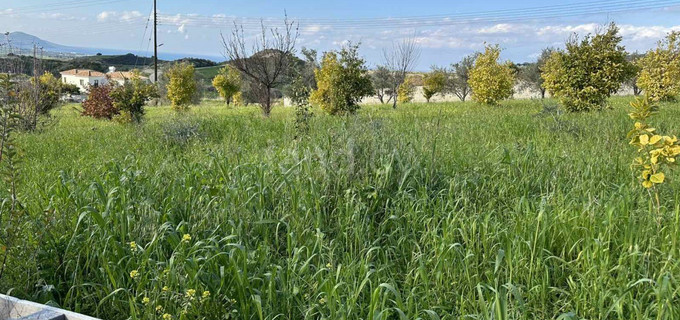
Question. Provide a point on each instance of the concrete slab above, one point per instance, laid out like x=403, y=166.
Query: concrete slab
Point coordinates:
x=14, y=309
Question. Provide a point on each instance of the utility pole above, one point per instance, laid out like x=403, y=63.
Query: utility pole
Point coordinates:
x=155, y=42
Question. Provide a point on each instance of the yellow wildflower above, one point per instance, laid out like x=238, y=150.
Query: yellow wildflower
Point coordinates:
x=190, y=293
x=186, y=237
x=133, y=246
x=159, y=308
x=146, y=300
x=134, y=274
x=165, y=289
x=167, y=316
x=206, y=294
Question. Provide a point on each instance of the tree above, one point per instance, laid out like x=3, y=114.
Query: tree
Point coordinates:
x=406, y=90
x=342, y=81
x=635, y=69
x=268, y=63
x=660, y=69
x=530, y=74
x=181, y=86
x=50, y=92
x=458, y=82
x=99, y=103
x=399, y=62
x=299, y=96
x=434, y=83
x=227, y=83
x=130, y=98
x=588, y=72
x=382, y=83
x=490, y=80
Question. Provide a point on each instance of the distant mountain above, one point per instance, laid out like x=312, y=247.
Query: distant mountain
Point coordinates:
x=25, y=43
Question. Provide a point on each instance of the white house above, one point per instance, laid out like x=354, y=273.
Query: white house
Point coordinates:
x=121, y=77
x=84, y=78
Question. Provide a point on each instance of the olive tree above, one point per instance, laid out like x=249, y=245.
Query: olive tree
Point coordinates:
x=382, y=83
x=529, y=75
x=459, y=77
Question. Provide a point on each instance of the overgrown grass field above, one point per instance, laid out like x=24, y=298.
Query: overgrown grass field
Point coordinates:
x=431, y=211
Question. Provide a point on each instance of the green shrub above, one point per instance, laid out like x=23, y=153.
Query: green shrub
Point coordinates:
x=228, y=83
x=660, y=70
x=588, y=72
x=130, y=98
x=342, y=81
x=181, y=87
x=434, y=83
x=405, y=91
x=490, y=80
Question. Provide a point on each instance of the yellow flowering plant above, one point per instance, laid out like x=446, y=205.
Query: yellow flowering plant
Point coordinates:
x=656, y=152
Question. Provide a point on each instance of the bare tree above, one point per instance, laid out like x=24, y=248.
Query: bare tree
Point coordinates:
x=400, y=60
x=267, y=63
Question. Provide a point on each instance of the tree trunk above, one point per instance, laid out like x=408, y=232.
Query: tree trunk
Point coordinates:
x=267, y=106
x=542, y=93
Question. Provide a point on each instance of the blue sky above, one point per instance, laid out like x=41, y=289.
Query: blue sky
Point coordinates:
x=446, y=30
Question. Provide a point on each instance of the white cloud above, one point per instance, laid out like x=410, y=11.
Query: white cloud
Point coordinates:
x=125, y=16
x=499, y=28
x=105, y=16
x=60, y=16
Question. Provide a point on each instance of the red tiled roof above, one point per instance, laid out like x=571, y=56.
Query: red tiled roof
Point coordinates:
x=83, y=73
x=122, y=75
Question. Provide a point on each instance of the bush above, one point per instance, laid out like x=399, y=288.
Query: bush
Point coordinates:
x=660, y=70
x=181, y=87
x=491, y=81
x=130, y=98
x=341, y=81
x=585, y=75
x=99, y=103
x=227, y=83
x=434, y=83
x=405, y=91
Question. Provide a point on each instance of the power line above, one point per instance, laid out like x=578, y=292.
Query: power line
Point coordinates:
x=509, y=15
x=146, y=28
x=61, y=6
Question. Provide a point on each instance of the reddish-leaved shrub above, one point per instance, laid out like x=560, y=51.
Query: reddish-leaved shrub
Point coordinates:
x=99, y=103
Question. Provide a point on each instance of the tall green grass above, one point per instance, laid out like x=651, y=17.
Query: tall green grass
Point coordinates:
x=438, y=211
